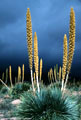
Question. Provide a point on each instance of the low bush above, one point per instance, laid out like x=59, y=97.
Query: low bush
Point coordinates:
x=18, y=89
x=49, y=104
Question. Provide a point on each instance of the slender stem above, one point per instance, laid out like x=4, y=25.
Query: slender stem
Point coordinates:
x=32, y=80
x=4, y=84
x=62, y=85
x=38, y=84
x=66, y=81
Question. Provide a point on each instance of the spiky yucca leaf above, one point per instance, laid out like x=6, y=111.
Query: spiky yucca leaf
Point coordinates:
x=49, y=104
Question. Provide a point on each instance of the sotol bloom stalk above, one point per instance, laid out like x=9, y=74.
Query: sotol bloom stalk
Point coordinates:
x=55, y=74
x=3, y=76
x=22, y=73
x=10, y=75
x=71, y=43
x=64, y=60
x=36, y=59
x=6, y=75
x=40, y=69
x=29, y=43
x=19, y=73
x=60, y=73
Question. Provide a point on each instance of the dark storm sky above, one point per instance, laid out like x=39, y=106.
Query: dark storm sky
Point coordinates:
x=50, y=19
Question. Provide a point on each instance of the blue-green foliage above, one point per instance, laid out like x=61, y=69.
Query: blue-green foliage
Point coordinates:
x=18, y=89
x=49, y=104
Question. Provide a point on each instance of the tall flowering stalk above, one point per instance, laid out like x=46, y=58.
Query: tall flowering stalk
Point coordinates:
x=40, y=69
x=6, y=75
x=36, y=59
x=19, y=73
x=10, y=75
x=60, y=73
x=3, y=76
x=64, y=60
x=71, y=43
x=55, y=74
x=29, y=43
x=22, y=73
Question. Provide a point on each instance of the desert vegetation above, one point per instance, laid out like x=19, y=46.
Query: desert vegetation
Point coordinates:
x=59, y=100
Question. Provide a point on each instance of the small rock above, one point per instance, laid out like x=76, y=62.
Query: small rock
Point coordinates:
x=16, y=102
x=6, y=96
x=1, y=100
x=1, y=115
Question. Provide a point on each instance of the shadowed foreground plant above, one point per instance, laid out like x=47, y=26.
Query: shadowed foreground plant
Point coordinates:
x=49, y=104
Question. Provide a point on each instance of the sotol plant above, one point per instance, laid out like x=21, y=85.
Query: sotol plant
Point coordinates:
x=49, y=104
x=29, y=43
x=64, y=60
x=36, y=60
x=71, y=43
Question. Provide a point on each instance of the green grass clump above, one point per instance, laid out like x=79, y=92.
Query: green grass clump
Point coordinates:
x=18, y=89
x=4, y=90
x=49, y=104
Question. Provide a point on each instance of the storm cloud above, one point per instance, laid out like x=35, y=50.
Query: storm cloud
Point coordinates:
x=50, y=19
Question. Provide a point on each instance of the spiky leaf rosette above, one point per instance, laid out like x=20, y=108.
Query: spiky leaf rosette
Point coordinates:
x=64, y=58
x=49, y=104
x=71, y=39
x=29, y=37
x=36, y=59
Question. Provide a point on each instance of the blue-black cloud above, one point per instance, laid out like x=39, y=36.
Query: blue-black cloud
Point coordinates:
x=50, y=19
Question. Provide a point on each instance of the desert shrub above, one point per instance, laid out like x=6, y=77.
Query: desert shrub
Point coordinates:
x=4, y=90
x=0, y=87
x=49, y=104
x=18, y=89
x=55, y=85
